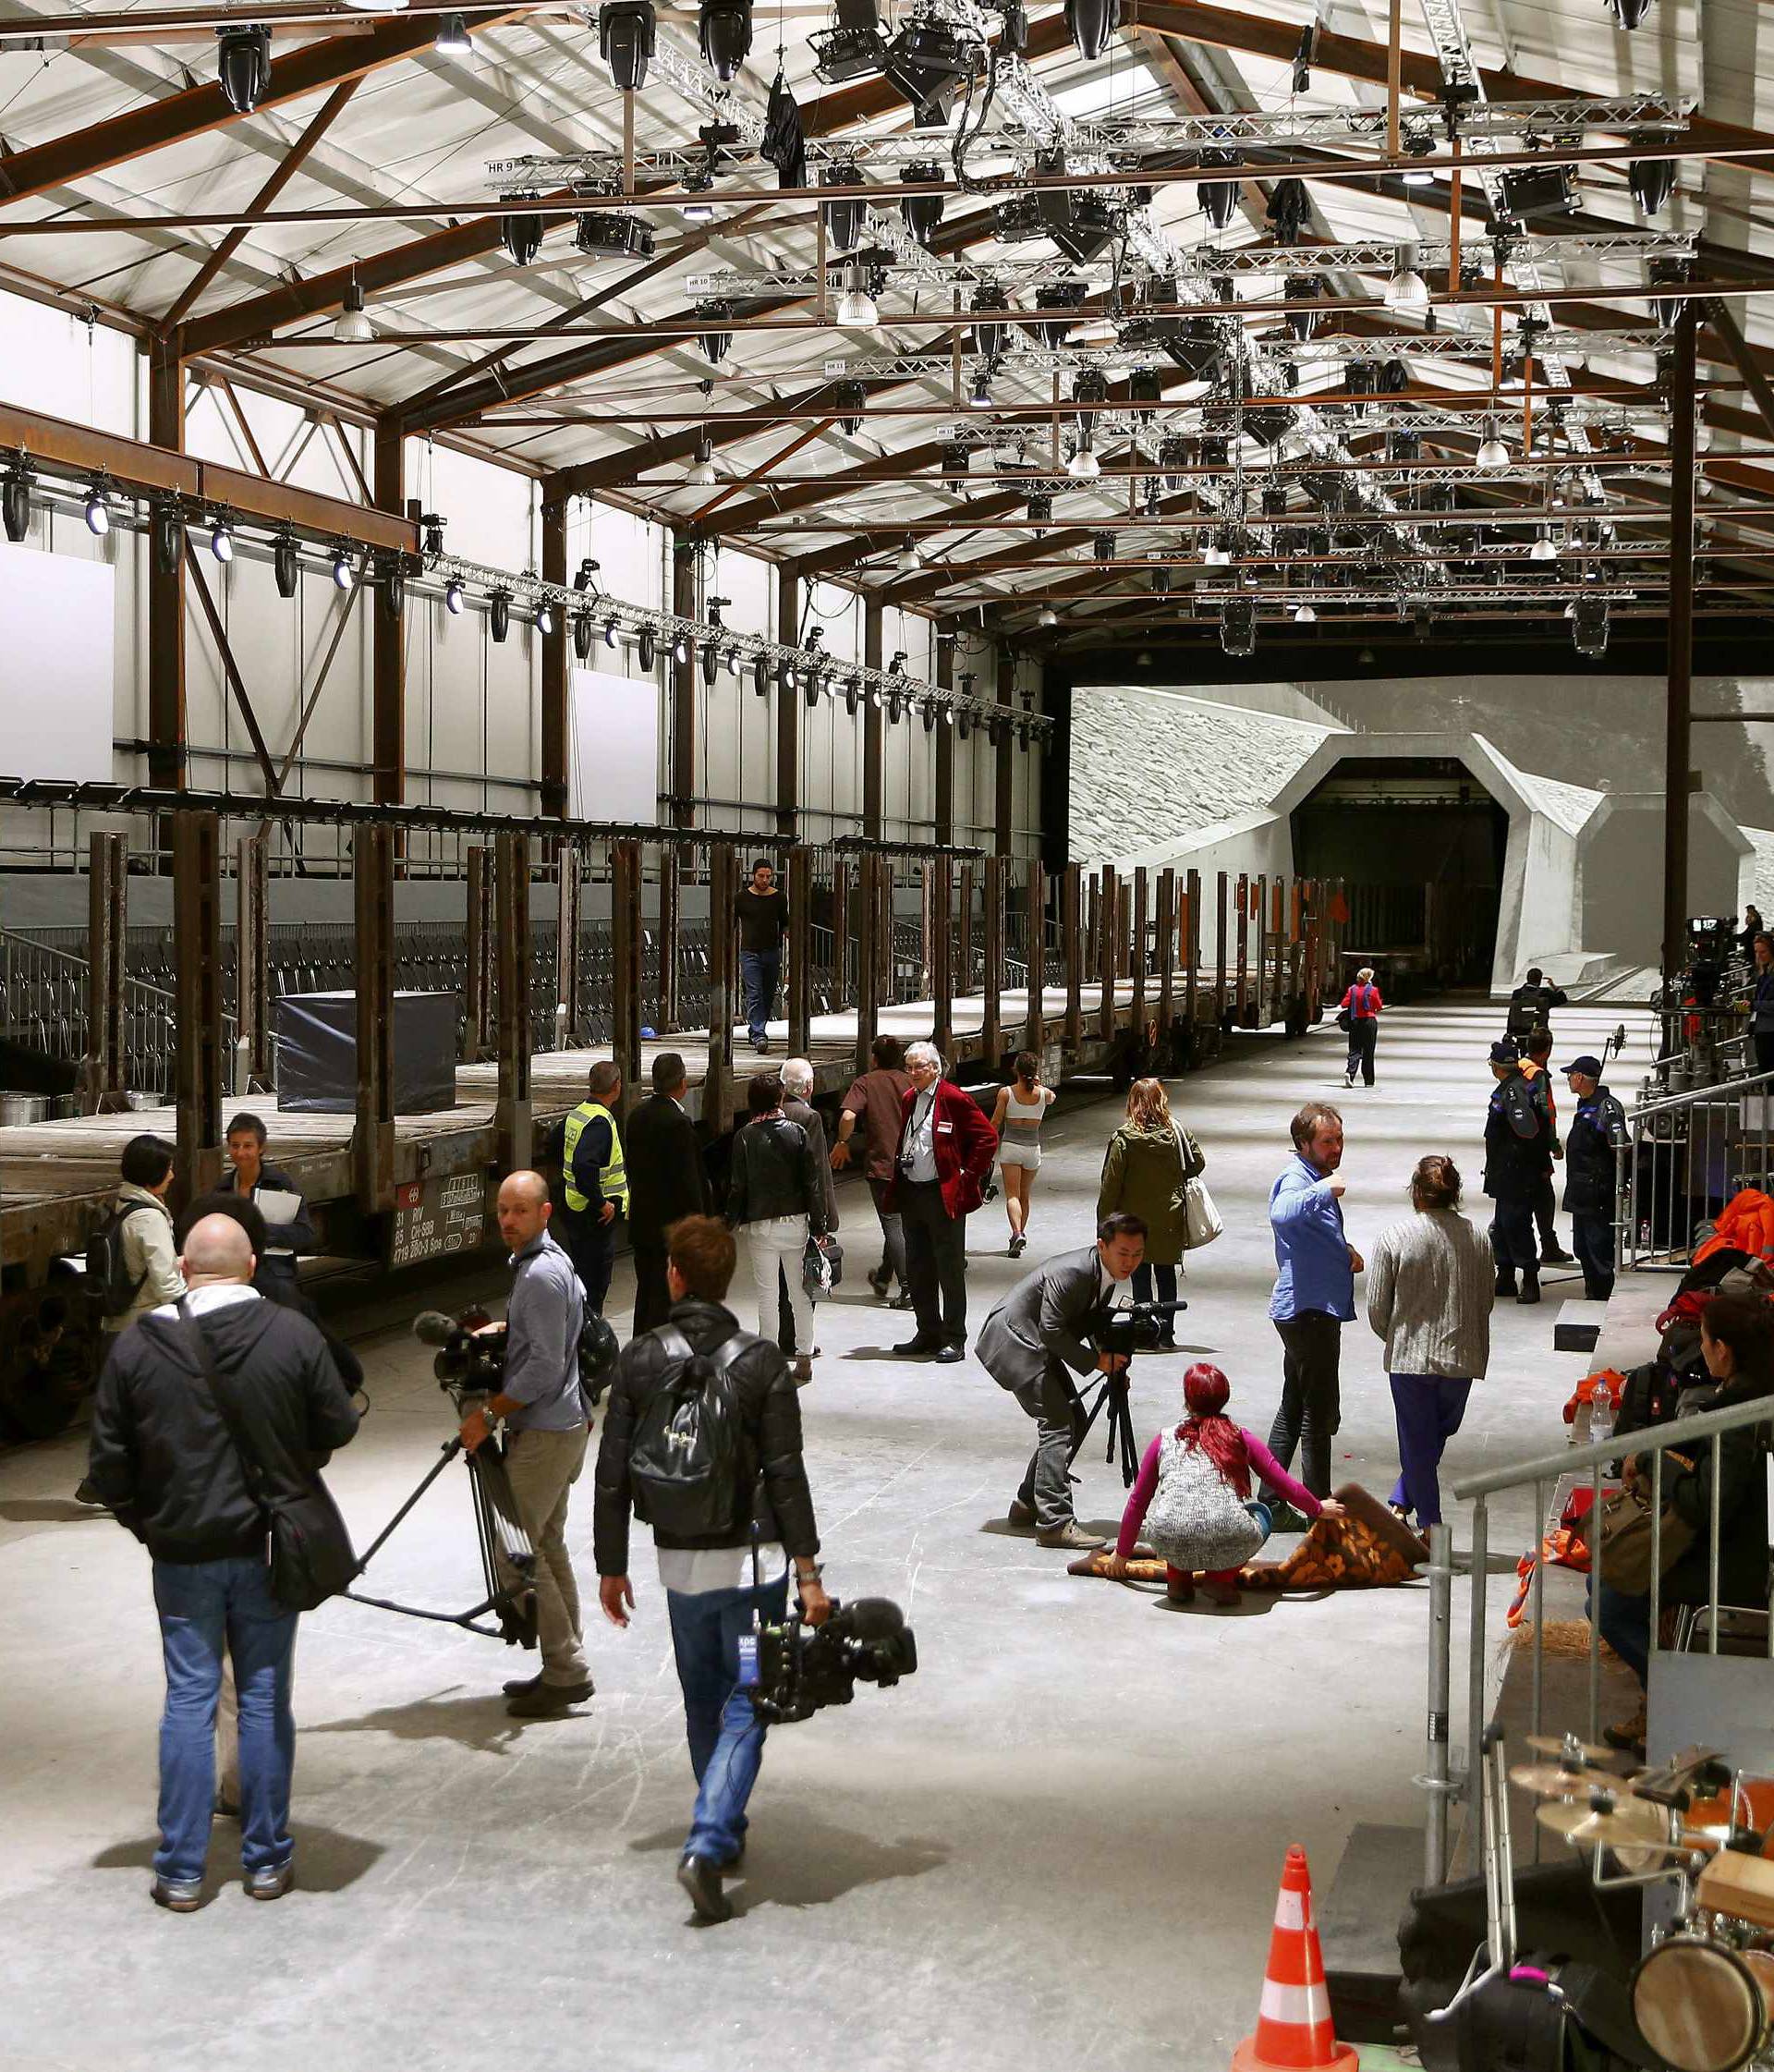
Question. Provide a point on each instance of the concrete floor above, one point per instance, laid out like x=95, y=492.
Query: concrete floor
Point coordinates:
x=1057, y=1845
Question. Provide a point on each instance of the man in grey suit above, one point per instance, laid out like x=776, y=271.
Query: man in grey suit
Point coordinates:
x=1043, y=1328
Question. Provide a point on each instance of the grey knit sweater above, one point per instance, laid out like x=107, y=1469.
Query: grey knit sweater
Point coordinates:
x=1431, y=1281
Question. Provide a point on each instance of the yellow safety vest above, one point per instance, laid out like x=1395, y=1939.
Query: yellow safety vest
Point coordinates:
x=613, y=1177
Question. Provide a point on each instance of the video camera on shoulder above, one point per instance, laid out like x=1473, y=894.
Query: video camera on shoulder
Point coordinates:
x=1134, y=1327
x=470, y=1361
x=802, y=1667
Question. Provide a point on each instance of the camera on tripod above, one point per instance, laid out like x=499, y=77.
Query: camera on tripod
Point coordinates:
x=1136, y=1327
x=468, y=1362
x=802, y=1667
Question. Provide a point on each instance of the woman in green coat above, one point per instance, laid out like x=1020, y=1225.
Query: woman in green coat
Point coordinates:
x=1150, y=1160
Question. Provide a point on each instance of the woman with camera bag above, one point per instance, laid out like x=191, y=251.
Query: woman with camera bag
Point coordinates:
x=1192, y=1500
x=1147, y=1170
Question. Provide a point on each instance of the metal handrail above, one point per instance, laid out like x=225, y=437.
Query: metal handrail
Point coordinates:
x=1581, y=1462
x=1685, y=1155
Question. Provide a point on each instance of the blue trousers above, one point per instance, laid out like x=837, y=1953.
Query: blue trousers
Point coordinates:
x=1512, y=1233
x=1428, y=1408
x=1626, y=1623
x=759, y=969
x=1592, y=1238
x=726, y=1737
x=204, y=1604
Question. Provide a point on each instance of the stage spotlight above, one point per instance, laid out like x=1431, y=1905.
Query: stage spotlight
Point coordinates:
x=711, y=663
x=724, y=35
x=521, y=235
x=1102, y=546
x=610, y=633
x=626, y=30
x=922, y=213
x=1651, y=180
x=243, y=65
x=714, y=342
x=1288, y=210
x=452, y=38
x=14, y=500
x=453, y=596
x=498, y=613
x=927, y=62
x=853, y=48
x=1537, y=191
x=343, y=572
x=1040, y=510
x=431, y=526
x=851, y=399
x=1239, y=626
x=844, y=219
x=761, y=674
x=1589, y=626
x=1090, y=23
x=221, y=539
x=1161, y=583
x=169, y=537
x=97, y=511
x=585, y=633
x=1219, y=198
x=1629, y=13
x=393, y=588
x=545, y=619
x=646, y=649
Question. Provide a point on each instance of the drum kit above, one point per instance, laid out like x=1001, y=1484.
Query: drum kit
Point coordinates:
x=1703, y=1995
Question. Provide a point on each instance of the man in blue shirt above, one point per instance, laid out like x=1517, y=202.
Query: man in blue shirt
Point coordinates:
x=1315, y=1293
x=546, y=1433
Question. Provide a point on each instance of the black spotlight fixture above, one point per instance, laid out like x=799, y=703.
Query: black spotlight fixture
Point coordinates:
x=724, y=35
x=1239, y=626
x=1102, y=546
x=344, y=573
x=521, y=234
x=989, y=339
x=810, y=689
x=1219, y=198
x=544, y=616
x=243, y=65
x=1161, y=583
x=168, y=530
x=1651, y=180
x=710, y=663
x=14, y=500
x=601, y=232
x=454, y=595
x=1589, y=626
x=921, y=212
x=926, y=63
x=957, y=459
x=712, y=311
x=583, y=574
x=432, y=533
x=1090, y=23
x=610, y=633
x=1040, y=509
x=1288, y=210
x=1301, y=81
x=853, y=48
x=646, y=649
x=393, y=588
x=1666, y=273
x=761, y=674
x=585, y=633
x=930, y=715
x=1302, y=288
x=1196, y=348
x=1536, y=190
x=1066, y=297
x=1629, y=13
x=498, y=613
x=626, y=31
x=842, y=219
x=1144, y=392
x=851, y=399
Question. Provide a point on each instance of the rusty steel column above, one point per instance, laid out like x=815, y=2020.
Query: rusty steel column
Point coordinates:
x=944, y=807
x=681, y=784
x=868, y=867
x=388, y=641
x=874, y=721
x=671, y=921
x=557, y=703
x=963, y=931
x=788, y=707
x=990, y=1040
x=1243, y=945
x=1072, y=938
x=252, y=962
x=938, y=887
x=1139, y=941
x=480, y=1007
x=1679, y=703
x=165, y=587
x=104, y=1076
x=197, y=1000
x=625, y=946
x=1166, y=926
x=717, y=1084
x=1107, y=950
x=1035, y=1025
x=843, y=992
x=511, y=920
x=372, y=1135
x=1191, y=945
x=568, y=937
x=1219, y=953
x=800, y=951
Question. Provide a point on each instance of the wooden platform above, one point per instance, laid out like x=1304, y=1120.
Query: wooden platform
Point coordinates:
x=57, y=1179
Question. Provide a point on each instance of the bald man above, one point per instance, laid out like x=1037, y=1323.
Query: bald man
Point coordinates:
x=546, y=1431
x=161, y=1457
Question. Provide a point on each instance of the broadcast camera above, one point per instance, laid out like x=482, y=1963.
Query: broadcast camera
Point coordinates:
x=801, y=1667
x=1134, y=1327
x=467, y=1362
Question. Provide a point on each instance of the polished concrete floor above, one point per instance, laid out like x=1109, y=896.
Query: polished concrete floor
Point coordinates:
x=1057, y=1845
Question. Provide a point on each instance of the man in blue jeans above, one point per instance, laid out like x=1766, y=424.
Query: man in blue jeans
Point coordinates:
x=161, y=1458
x=1314, y=1296
x=718, y=1584
x=762, y=911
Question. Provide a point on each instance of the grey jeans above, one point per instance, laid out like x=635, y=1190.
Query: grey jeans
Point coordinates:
x=891, y=1232
x=1311, y=1408
x=542, y=1468
x=1052, y=1402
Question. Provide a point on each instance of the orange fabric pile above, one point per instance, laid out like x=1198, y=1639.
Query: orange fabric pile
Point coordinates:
x=1745, y=1224
x=1609, y=1381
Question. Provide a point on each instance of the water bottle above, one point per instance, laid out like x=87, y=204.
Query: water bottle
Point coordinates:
x=1601, y=1418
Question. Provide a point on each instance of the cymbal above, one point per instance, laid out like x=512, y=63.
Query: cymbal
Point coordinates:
x=1634, y=1825
x=1555, y=1744
x=1553, y=1780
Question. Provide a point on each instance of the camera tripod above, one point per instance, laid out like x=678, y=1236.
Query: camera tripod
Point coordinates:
x=1110, y=1397
x=507, y=1559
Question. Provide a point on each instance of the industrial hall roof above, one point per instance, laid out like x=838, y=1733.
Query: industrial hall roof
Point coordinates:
x=1135, y=319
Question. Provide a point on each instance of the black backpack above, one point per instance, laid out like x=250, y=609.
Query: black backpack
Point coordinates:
x=684, y=1460
x=1521, y=1111
x=107, y=1273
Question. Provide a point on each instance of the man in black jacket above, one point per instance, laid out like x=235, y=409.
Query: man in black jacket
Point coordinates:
x=667, y=1180
x=1518, y=1158
x=716, y=1585
x=1592, y=1174
x=776, y=1190
x=1531, y=1005
x=161, y=1458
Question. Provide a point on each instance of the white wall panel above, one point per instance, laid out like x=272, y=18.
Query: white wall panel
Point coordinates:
x=613, y=754
x=57, y=688
x=56, y=363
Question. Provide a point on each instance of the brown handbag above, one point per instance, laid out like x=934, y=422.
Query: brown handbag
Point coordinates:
x=1624, y=1555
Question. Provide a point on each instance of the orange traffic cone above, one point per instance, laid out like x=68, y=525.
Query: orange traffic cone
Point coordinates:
x=1294, y=2030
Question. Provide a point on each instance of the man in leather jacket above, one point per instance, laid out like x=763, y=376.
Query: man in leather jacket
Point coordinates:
x=714, y=1583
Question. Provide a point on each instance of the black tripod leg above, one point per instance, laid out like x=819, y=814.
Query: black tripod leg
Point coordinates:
x=450, y=1451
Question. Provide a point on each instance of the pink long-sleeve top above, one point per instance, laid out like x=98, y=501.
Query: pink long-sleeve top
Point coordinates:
x=1263, y=1465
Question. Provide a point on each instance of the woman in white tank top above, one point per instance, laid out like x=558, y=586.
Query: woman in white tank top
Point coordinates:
x=1017, y=1117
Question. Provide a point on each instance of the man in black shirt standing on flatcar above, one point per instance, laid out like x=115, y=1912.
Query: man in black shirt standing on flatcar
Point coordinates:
x=762, y=908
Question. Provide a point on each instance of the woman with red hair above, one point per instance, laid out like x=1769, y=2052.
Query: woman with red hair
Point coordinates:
x=1192, y=1500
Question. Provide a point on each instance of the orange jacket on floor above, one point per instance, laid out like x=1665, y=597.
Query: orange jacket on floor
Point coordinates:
x=1745, y=1224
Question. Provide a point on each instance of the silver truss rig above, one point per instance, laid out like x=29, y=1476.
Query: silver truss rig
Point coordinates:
x=1123, y=142
x=1206, y=591
x=1111, y=359
x=1607, y=419
x=1288, y=261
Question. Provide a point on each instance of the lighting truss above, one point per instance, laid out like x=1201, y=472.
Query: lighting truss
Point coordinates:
x=1114, y=427
x=1211, y=594
x=1122, y=141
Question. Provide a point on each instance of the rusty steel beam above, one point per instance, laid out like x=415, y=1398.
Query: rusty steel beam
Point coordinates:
x=197, y=1007
x=372, y=1135
x=103, y=1075
x=231, y=670
x=512, y=957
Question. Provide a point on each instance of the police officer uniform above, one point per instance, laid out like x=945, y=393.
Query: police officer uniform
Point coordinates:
x=592, y=1173
x=1591, y=1172
x=1514, y=1167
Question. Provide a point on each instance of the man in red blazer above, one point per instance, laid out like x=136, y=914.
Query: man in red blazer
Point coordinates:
x=946, y=1148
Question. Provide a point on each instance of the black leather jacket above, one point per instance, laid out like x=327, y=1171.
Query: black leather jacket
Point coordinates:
x=770, y=1413
x=775, y=1173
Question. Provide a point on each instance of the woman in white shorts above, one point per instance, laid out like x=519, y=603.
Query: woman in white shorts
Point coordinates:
x=1017, y=1117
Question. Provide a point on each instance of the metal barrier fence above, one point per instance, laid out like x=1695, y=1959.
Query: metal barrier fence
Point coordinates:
x=1685, y=1156
x=1582, y=1465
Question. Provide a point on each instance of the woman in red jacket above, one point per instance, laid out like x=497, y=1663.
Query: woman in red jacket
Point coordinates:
x=1363, y=1005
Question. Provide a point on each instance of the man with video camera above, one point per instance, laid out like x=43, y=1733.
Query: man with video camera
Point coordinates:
x=539, y=1400
x=1041, y=1329
x=703, y=1440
